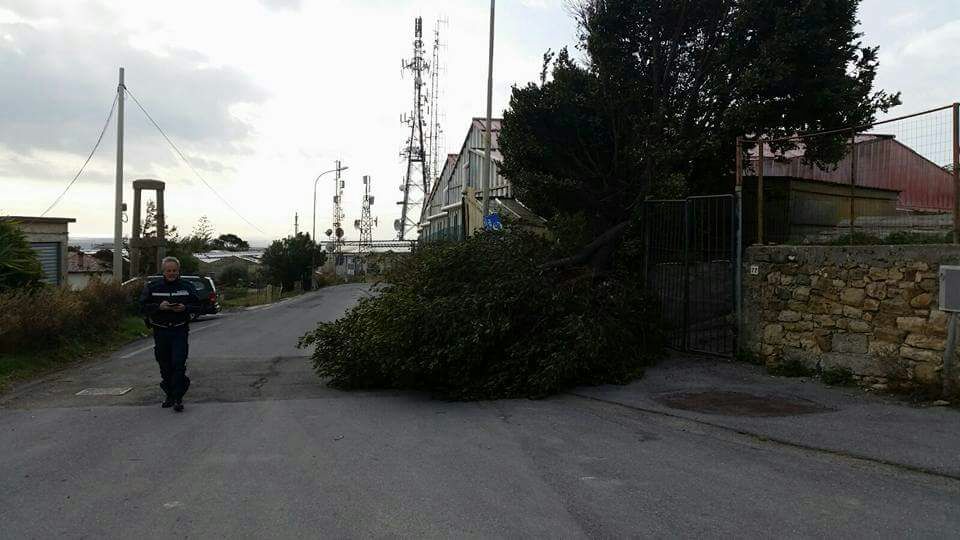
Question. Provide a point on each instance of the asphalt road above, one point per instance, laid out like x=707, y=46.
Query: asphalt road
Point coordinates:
x=266, y=450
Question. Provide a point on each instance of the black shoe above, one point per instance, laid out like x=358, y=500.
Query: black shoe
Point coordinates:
x=167, y=403
x=178, y=406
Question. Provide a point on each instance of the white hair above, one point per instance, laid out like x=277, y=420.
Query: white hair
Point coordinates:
x=170, y=259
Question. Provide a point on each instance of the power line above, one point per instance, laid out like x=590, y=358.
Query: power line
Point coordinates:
x=92, y=152
x=179, y=153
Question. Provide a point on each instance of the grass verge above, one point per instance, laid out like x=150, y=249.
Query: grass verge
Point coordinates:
x=27, y=365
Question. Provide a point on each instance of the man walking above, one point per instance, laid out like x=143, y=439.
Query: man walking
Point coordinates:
x=167, y=304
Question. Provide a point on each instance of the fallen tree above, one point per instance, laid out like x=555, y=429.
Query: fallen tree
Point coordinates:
x=484, y=319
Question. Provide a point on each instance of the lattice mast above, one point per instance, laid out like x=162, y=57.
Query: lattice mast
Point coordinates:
x=338, y=211
x=367, y=222
x=435, y=134
x=418, y=166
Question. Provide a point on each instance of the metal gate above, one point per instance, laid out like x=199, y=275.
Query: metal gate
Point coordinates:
x=690, y=266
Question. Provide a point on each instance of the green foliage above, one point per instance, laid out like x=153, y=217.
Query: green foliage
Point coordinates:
x=189, y=264
x=49, y=317
x=201, y=238
x=748, y=357
x=229, y=242
x=291, y=260
x=19, y=266
x=837, y=376
x=791, y=368
x=668, y=86
x=235, y=275
x=478, y=319
x=25, y=363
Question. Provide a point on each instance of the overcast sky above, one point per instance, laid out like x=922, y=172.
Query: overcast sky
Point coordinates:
x=263, y=95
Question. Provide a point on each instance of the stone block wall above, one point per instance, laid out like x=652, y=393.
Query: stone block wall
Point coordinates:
x=870, y=309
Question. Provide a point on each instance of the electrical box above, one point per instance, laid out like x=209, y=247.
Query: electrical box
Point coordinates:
x=950, y=288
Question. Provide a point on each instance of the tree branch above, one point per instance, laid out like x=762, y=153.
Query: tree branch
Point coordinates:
x=592, y=251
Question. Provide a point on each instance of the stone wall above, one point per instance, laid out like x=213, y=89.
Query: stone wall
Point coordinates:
x=871, y=309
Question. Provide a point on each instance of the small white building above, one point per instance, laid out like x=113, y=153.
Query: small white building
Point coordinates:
x=84, y=267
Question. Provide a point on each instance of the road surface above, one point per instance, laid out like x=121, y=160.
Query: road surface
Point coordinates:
x=264, y=449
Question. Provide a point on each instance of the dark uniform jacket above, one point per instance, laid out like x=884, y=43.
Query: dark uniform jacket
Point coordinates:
x=175, y=292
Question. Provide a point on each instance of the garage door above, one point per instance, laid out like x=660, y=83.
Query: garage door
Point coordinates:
x=49, y=255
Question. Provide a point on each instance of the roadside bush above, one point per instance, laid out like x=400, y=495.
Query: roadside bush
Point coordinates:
x=327, y=280
x=791, y=368
x=837, y=376
x=479, y=320
x=47, y=317
x=235, y=275
x=19, y=266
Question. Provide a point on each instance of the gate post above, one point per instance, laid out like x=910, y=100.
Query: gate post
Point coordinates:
x=736, y=244
x=685, y=343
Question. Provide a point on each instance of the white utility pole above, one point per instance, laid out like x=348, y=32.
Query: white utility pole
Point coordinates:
x=118, y=217
x=487, y=165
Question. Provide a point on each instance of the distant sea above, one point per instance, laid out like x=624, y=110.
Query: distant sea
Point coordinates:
x=86, y=243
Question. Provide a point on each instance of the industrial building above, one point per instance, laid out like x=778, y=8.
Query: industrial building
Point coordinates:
x=891, y=185
x=453, y=210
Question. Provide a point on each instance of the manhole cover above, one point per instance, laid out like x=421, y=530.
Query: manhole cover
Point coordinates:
x=105, y=391
x=740, y=404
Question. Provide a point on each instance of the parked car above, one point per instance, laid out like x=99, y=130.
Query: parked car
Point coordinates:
x=206, y=290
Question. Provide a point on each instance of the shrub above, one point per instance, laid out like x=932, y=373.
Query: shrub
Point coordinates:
x=478, y=319
x=327, y=280
x=48, y=317
x=837, y=376
x=235, y=275
x=19, y=266
x=791, y=368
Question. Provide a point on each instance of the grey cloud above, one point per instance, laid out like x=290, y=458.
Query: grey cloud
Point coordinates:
x=58, y=85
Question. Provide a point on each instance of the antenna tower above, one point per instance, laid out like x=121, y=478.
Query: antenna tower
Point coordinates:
x=418, y=164
x=435, y=135
x=367, y=222
x=338, y=212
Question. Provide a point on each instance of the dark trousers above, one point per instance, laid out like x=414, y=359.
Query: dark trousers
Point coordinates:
x=170, y=346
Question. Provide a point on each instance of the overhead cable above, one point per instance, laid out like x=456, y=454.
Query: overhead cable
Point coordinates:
x=99, y=139
x=187, y=162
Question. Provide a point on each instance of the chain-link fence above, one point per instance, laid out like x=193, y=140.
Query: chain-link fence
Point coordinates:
x=891, y=182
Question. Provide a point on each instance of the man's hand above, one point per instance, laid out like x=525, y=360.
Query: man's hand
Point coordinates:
x=165, y=306
x=179, y=308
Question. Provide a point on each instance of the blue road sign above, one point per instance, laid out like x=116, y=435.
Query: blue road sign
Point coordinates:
x=492, y=222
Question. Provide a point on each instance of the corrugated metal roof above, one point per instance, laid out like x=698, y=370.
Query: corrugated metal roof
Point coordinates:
x=882, y=162
x=80, y=262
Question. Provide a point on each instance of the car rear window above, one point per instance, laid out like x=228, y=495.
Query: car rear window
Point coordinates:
x=203, y=287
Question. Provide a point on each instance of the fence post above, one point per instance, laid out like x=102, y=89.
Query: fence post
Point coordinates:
x=853, y=182
x=760, y=194
x=956, y=173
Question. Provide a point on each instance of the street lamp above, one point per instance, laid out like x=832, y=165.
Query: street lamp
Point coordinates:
x=487, y=168
x=339, y=168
